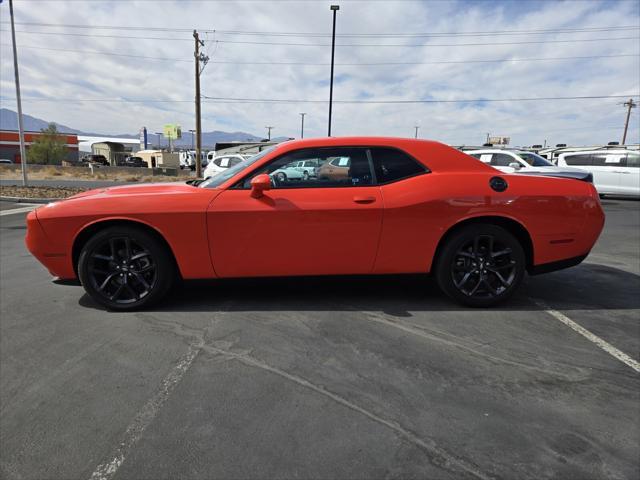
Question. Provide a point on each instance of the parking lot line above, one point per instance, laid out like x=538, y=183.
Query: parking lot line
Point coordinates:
x=17, y=210
x=145, y=416
x=604, y=345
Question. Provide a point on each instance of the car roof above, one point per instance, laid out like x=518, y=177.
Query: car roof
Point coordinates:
x=436, y=156
x=617, y=151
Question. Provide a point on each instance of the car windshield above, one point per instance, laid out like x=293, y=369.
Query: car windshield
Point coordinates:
x=225, y=175
x=534, y=159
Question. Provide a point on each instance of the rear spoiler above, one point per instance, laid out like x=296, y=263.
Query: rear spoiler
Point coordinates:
x=584, y=176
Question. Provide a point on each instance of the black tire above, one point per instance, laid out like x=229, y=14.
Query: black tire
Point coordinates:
x=126, y=268
x=305, y=175
x=480, y=265
x=281, y=177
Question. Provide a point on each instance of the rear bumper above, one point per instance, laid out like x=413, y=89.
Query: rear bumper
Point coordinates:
x=559, y=265
x=54, y=258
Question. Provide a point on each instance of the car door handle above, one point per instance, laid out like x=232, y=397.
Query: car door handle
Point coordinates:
x=364, y=199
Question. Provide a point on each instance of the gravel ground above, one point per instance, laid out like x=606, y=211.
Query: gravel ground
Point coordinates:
x=39, y=191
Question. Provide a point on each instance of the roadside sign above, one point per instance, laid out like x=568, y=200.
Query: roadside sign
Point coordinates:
x=172, y=131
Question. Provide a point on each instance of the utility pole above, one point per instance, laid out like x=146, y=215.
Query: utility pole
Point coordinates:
x=488, y=134
x=416, y=127
x=23, y=151
x=196, y=54
x=630, y=104
x=269, y=132
x=335, y=9
x=302, y=127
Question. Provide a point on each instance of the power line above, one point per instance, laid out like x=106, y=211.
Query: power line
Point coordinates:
x=345, y=35
x=95, y=52
x=443, y=62
x=223, y=62
x=283, y=100
x=68, y=34
x=478, y=100
x=297, y=44
x=377, y=45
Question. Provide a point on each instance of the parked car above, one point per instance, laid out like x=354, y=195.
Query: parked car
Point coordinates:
x=5, y=160
x=334, y=169
x=220, y=164
x=405, y=206
x=615, y=171
x=95, y=159
x=511, y=161
x=301, y=170
x=132, y=161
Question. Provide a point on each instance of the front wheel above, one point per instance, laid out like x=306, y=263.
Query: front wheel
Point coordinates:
x=125, y=268
x=481, y=265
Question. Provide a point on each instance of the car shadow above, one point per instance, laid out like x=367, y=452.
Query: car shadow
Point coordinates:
x=585, y=287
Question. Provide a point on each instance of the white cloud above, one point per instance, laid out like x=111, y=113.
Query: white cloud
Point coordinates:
x=67, y=75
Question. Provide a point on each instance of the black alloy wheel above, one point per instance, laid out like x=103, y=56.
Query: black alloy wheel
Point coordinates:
x=125, y=268
x=481, y=265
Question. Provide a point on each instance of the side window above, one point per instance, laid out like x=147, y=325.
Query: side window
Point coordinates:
x=234, y=161
x=391, y=165
x=633, y=160
x=577, y=160
x=502, y=160
x=601, y=161
x=616, y=160
x=333, y=167
x=485, y=157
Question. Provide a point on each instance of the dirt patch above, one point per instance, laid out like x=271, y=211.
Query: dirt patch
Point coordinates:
x=56, y=172
x=40, y=192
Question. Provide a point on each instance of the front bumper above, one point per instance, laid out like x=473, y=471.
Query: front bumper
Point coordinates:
x=52, y=256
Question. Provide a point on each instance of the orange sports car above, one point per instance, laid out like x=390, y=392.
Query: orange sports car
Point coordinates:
x=404, y=206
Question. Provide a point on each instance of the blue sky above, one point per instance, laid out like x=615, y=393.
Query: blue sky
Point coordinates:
x=63, y=81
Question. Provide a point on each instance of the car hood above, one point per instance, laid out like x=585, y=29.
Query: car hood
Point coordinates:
x=146, y=189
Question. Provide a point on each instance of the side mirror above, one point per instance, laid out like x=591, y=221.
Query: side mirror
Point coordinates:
x=515, y=165
x=259, y=184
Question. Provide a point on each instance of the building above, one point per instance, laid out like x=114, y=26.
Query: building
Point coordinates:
x=86, y=142
x=114, y=152
x=159, y=158
x=10, y=145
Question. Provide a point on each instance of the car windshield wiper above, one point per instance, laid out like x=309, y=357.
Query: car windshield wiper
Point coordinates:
x=195, y=182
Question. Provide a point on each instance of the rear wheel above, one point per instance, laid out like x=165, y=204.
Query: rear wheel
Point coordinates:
x=125, y=268
x=481, y=265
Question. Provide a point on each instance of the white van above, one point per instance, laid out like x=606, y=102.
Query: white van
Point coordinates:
x=615, y=171
x=188, y=159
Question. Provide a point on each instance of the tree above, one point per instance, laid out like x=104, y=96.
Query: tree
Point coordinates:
x=49, y=147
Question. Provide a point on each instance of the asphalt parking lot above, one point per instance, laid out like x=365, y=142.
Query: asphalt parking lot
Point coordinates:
x=323, y=378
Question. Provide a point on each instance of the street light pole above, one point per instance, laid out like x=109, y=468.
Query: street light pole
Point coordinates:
x=269, y=131
x=334, y=8
x=23, y=151
x=416, y=127
x=192, y=132
x=302, y=126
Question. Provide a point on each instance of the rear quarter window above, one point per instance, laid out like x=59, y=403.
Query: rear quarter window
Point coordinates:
x=581, y=159
x=391, y=165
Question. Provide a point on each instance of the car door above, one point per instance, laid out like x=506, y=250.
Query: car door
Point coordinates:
x=311, y=227
x=609, y=170
x=630, y=176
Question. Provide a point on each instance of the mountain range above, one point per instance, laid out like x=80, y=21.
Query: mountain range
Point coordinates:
x=9, y=121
